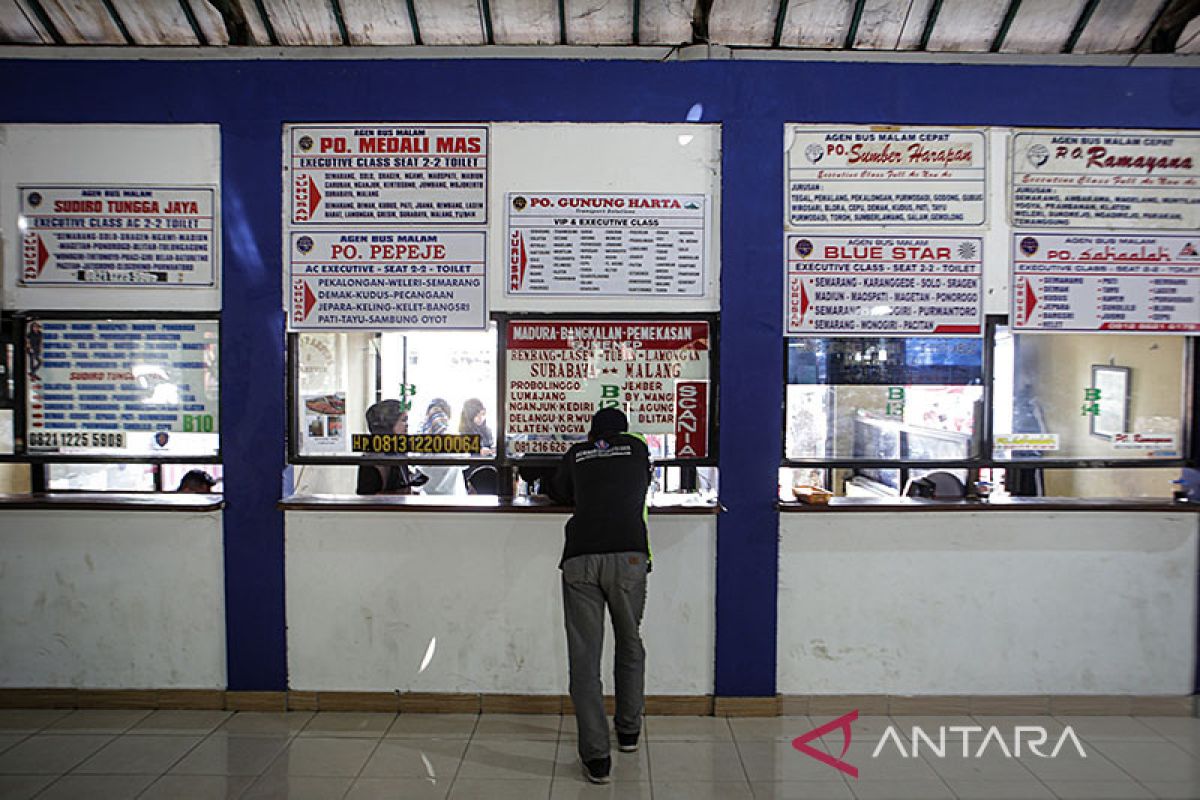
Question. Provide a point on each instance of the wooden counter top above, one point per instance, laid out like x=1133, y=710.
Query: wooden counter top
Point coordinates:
x=473, y=503
x=114, y=501
x=903, y=504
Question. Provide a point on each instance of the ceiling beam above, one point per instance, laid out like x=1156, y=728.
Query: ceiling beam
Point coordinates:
x=485, y=15
x=116, y=17
x=1163, y=34
x=700, y=18
x=855, y=19
x=195, y=23
x=780, y=17
x=340, y=19
x=637, y=22
x=1013, y=7
x=47, y=23
x=412, y=20
x=562, y=21
x=930, y=23
x=237, y=28
x=1084, y=16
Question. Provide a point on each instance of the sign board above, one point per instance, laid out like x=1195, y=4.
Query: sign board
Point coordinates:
x=396, y=174
x=1143, y=180
x=1159, y=444
x=863, y=176
x=560, y=373
x=1026, y=441
x=323, y=423
x=606, y=244
x=387, y=280
x=1105, y=283
x=883, y=286
x=142, y=386
x=128, y=236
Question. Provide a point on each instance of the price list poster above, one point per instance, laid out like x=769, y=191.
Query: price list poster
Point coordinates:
x=1105, y=231
x=927, y=188
x=385, y=226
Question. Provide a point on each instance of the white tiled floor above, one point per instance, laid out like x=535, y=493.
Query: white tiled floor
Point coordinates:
x=205, y=755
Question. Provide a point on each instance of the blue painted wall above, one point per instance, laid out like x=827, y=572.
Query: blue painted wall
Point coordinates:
x=251, y=101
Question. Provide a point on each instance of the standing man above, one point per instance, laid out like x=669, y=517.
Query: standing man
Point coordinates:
x=605, y=562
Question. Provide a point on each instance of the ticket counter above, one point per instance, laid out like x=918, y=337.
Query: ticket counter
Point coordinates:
x=1032, y=598
x=417, y=595
x=112, y=592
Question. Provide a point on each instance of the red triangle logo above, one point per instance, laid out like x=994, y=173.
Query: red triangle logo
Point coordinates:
x=314, y=196
x=310, y=300
x=1031, y=301
x=43, y=255
x=524, y=261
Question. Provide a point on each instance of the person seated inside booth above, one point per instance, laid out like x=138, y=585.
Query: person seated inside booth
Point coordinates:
x=196, y=481
x=391, y=477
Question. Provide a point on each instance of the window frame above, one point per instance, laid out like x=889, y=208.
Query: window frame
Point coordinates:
x=20, y=453
x=986, y=459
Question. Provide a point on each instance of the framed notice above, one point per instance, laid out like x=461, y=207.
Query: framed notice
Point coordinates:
x=883, y=286
x=885, y=177
x=1105, y=283
x=118, y=235
x=1111, y=385
x=146, y=387
x=576, y=245
x=387, y=280
x=559, y=372
x=1105, y=179
x=392, y=174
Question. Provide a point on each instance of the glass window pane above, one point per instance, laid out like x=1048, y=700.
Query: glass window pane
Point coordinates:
x=1089, y=396
x=173, y=475
x=122, y=387
x=101, y=477
x=915, y=399
x=440, y=376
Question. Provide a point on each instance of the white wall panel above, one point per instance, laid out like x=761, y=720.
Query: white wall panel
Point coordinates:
x=73, y=155
x=987, y=603
x=636, y=158
x=368, y=591
x=112, y=600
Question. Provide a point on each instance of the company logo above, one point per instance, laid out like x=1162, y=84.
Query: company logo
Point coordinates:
x=814, y=152
x=1038, y=155
x=304, y=244
x=804, y=247
x=35, y=199
x=519, y=203
x=1029, y=245
x=966, y=251
x=969, y=741
x=306, y=143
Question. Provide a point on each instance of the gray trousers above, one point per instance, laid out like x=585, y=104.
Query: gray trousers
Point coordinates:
x=589, y=583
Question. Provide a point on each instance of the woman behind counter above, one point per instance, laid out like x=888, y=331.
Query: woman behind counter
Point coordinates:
x=473, y=420
x=442, y=480
x=392, y=477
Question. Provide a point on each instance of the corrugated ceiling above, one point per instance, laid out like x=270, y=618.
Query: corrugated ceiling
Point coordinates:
x=936, y=26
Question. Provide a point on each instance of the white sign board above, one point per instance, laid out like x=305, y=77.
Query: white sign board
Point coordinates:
x=884, y=286
x=138, y=236
x=1143, y=180
x=133, y=386
x=387, y=280
x=852, y=176
x=1025, y=441
x=606, y=244
x=397, y=174
x=1105, y=282
x=560, y=373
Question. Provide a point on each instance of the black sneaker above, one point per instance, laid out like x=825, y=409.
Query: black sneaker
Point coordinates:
x=597, y=769
x=627, y=742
